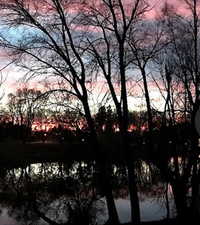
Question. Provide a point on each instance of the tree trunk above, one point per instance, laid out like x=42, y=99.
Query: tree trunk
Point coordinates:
x=101, y=167
x=104, y=179
x=194, y=158
x=146, y=91
x=179, y=192
x=167, y=201
x=134, y=200
x=135, y=207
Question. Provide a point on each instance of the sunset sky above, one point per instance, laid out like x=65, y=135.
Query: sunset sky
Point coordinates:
x=14, y=77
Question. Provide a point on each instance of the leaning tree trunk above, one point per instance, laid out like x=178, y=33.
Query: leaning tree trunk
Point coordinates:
x=147, y=98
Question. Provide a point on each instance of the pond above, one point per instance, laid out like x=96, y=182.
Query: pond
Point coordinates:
x=151, y=209
x=56, y=188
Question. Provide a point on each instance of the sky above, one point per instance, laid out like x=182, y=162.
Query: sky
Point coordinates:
x=13, y=76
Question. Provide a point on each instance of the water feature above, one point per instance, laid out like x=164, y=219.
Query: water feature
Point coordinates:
x=55, y=187
x=151, y=209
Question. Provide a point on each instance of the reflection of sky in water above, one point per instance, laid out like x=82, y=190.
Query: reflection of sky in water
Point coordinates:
x=6, y=220
x=151, y=209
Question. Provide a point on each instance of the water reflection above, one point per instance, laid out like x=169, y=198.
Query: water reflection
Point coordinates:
x=57, y=193
x=68, y=193
x=5, y=219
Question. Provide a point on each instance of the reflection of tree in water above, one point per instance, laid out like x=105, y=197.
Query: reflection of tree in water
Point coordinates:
x=56, y=193
x=67, y=193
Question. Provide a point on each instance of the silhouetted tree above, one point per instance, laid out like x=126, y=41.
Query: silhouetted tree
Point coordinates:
x=114, y=21
x=25, y=105
x=53, y=193
x=55, y=47
x=181, y=76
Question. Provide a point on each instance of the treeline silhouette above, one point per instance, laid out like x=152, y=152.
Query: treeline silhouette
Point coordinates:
x=167, y=157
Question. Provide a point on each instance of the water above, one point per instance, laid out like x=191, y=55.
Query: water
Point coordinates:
x=5, y=219
x=151, y=207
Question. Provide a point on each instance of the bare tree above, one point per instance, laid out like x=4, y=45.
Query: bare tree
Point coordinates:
x=146, y=41
x=181, y=66
x=113, y=22
x=25, y=105
x=54, y=46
